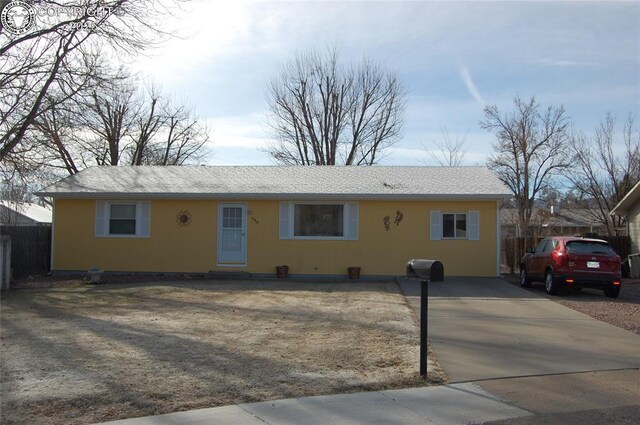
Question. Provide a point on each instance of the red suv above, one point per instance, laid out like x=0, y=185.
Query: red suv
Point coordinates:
x=576, y=262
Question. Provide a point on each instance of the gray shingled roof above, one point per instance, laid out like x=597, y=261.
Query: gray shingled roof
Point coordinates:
x=281, y=182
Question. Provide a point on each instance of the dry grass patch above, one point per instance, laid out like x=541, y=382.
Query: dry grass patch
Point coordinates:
x=86, y=353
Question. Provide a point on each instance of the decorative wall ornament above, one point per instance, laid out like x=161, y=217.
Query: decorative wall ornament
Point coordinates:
x=387, y=220
x=399, y=217
x=183, y=218
x=255, y=220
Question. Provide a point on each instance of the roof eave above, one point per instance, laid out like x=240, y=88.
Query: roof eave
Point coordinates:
x=622, y=207
x=274, y=196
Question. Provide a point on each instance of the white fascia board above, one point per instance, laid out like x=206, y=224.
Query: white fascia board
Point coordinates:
x=622, y=208
x=277, y=196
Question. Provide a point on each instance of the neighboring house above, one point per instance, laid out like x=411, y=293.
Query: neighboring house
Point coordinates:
x=629, y=208
x=23, y=214
x=317, y=220
x=553, y=222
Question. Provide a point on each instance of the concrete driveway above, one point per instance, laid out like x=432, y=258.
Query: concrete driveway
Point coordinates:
x=487, y=328
x=528, y=350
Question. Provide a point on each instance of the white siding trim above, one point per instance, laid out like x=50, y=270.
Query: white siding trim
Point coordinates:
x=633, y=228
x=53, y=233
x=499, y=239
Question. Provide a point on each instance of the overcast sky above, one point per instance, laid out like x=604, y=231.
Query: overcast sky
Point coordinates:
x=454, y=57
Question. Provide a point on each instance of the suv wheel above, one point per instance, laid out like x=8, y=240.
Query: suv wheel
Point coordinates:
x=612, y=291
x=524, y=279
x=550, y=283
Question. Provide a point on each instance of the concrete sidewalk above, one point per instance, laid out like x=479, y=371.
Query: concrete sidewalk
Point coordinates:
x=442, y=405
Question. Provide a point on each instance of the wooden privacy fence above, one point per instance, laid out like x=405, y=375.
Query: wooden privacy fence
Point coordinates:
x=621, y=244
x=30, y=249
x=513, y=249
x=5, y=262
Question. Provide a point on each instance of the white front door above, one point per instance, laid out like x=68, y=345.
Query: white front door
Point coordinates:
x=232, y=234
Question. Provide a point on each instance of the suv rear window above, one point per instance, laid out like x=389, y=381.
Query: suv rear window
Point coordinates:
x=589, y=247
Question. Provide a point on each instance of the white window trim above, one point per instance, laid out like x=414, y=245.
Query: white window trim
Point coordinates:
x=105, y=215
x=349, y=226
x=455, y=238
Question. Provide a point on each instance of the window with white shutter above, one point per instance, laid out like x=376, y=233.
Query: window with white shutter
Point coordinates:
x=318, y=220
x=454, y=225
x=128, y=219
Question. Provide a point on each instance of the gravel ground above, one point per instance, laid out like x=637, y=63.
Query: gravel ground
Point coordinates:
x=78, y=353
x=623, y=311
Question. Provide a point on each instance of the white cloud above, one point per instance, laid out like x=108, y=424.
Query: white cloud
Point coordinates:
x=239, y=140
x=560, y=62
x=561, y=56
x=471, y=87
x=241, y=131
x=239, y=156
x=206, y=30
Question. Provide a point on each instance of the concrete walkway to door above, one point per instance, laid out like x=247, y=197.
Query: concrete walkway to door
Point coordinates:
x=535, y=353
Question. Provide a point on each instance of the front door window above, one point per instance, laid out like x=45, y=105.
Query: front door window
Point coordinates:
x=232, y=234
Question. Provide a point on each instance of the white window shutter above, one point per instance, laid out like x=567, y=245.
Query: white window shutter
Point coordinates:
x=474, y=225
x=435, y=228
x=143, y=219
x=352, y=221
x=102, y=219
x=285, y=220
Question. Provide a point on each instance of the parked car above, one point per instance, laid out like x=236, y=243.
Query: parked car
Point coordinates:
x=574, y=262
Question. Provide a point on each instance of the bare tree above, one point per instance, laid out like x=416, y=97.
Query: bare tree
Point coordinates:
x=13, y=196
x=146, y=122
x=53, y=57
x=449, y=152
x=530, y=150
x=325, y=113
x=166, y=133
x=109, y=116
x=182, y=139
x=601, y=177
x=119, y=123
x=54, y=133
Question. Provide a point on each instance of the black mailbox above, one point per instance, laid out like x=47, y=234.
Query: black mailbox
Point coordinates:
x=431, y=270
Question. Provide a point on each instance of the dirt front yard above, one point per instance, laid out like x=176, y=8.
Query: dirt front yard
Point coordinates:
x=89, y=353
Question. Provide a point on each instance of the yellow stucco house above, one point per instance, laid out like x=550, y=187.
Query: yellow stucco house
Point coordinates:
x=316, y=220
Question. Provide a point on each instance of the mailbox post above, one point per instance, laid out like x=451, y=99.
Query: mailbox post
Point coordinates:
x=425, y=270
x=424, y=313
